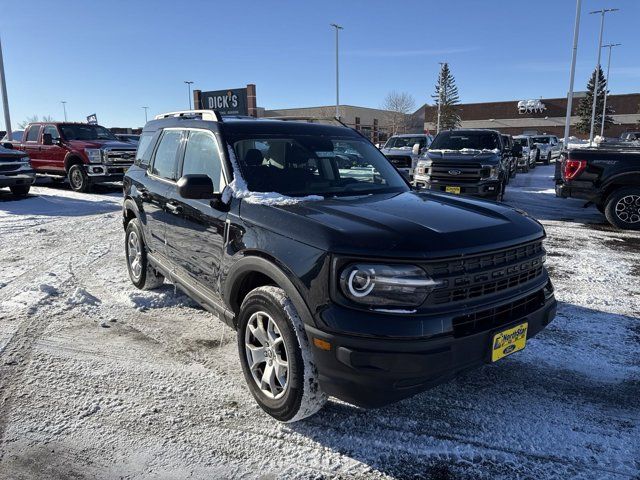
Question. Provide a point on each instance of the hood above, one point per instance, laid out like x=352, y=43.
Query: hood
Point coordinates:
x=400, y=225
x=457, y=156
x=101, y=144
x=10, y=153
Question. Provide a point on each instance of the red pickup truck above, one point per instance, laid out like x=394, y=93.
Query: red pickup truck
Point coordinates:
x=84, y=153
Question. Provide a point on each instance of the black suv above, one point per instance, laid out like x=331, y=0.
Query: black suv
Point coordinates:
x=339, y=279
x=468, y=162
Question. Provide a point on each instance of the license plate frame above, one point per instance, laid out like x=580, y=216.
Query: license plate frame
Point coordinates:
x=509, y=340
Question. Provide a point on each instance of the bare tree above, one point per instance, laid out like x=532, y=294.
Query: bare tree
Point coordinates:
x=34, y=118
x=399, y=105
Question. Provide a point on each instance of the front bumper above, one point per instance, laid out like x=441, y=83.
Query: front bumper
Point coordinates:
x=373, y=372
x=484, y=189
x=100, y=172
x=27, y=177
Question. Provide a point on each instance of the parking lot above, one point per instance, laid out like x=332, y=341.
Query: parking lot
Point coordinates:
x=100, y=380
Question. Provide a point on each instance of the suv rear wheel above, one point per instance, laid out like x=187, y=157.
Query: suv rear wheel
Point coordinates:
x=141, y=273
x=78, y=178
x=623, y=208
x=276, y=357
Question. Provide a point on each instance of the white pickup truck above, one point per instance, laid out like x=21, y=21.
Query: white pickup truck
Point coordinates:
x=548, y=148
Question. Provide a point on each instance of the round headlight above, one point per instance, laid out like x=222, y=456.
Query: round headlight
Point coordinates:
x=360, y=283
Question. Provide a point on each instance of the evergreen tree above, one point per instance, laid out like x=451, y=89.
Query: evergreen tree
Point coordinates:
x=449, y=116
x=586, y=105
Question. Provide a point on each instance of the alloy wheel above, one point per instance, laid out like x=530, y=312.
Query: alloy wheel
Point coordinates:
x=134, y=255
x=267, y=355
x=628, y=209
x=76, y=178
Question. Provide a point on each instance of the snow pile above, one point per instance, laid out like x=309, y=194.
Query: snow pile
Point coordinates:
x=240, y=190
x=575, y=142
x=81, y=297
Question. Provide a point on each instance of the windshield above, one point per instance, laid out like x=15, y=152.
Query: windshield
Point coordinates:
x=455, y=140
x=405, y=142
x=301, y=165
x=541, y=139
x=86, y=132
x=521, y=141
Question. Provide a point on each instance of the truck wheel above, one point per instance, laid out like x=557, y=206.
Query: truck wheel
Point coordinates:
x=20, y=190
x=141, y=273
x=78, y=178
x=548, y=160
x=623, y=208
x=276, y=357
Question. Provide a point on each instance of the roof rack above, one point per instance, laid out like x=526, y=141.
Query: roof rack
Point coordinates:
x=213, y=115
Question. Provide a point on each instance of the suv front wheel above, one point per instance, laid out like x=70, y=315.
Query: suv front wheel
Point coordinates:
x=276, y=357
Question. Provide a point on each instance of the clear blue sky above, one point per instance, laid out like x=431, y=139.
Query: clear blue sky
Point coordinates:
x=112, y=57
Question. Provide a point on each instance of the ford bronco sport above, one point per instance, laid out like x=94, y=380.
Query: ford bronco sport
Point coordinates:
x=338, y=278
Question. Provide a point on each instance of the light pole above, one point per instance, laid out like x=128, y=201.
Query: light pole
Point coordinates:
x=442, y=64
x=64, y=108
x=572, y=74
x=189, y=88
x=604, y=107
x=5, y=98
x=602, y=12
x=145, y=114
x=338, y=28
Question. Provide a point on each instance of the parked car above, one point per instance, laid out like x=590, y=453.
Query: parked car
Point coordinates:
x=128, y=137
x=529, y=153
x=86, y=154
x=15, y=171
x=608, y=178
x=403, y=151
x=548, y=148
x=467, y=162
x=16, y=136
x=630, y=136
x=512, y=151
x=339, y=282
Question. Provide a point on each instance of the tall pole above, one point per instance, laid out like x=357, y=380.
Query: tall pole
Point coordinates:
x=604, y=107
x=5, y=98
x=64, y=108
x=145, y=114
x=572, y=74
x=597, y=81
x=338, y=28
x=189, y=88
x=439, y=96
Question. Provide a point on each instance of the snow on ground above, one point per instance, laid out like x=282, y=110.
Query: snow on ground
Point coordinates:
x=100, y=380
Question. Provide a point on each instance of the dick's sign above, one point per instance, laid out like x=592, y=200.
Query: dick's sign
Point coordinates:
x=227, y=102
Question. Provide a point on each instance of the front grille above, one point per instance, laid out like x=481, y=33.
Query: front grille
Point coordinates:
x=400, y=161
x=9, y=167
x=120, y=156
x=475, y=276
x=498, y=316
x=455, y=172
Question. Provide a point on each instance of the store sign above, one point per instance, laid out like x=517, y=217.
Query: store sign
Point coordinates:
x=531, y=106
x=92, y=119
x=227, y=102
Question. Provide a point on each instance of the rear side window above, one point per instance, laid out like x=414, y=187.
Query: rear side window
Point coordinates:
x=145, y=149
x=32, y=135
x=201, y=156
x=164, y=163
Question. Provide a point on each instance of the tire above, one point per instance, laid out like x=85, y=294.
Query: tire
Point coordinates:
x=272, y=337
x=78, y=178
x=547, y=161
x=20, y=190
x=141, y=273
x=623, y=208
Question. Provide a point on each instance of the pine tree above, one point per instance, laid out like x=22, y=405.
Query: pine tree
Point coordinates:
x=449, y=116
x=586, y=105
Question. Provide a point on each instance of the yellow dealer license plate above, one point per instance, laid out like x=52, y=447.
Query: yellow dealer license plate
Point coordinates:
x=509, y=341
x=452, y=189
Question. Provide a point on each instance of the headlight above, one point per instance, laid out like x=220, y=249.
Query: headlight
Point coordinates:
x=490, y=172
x=94, y=154
x=26, y=160
x=386, y=285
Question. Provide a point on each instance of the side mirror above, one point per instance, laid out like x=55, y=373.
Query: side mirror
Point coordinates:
x=47, y=139
x=195, y=186
x=416, y=149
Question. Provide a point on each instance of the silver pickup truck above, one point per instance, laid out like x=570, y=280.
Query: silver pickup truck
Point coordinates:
x=548, y=148
x=403, y=151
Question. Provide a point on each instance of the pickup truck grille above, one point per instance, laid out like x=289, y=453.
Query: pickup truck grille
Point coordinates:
x=119, y=156
x=475, y=276
x=9, y=167
x=454, y=172
x=400, y=161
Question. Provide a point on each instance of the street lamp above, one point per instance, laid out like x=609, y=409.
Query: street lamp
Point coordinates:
x=442, y=64
x=189, y=88
x=5, y=98
x=604, y=107
x=64, y=108
x=602, y=12
x=145, y=114
x=338, y=28
x=572, y=74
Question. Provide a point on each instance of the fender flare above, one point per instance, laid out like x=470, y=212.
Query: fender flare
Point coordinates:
x=252, y=263
x=69, y=159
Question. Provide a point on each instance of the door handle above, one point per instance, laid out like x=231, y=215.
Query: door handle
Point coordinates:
x=173, y=208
